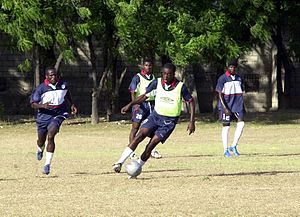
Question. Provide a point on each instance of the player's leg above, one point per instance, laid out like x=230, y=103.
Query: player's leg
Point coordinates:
x=238, y=132
x=138, y=114
x=148, y=150
x=225, y=119
x=42, y=136
x=134, y=129
x=140, y=136
x=53, y=129
x=165, y=128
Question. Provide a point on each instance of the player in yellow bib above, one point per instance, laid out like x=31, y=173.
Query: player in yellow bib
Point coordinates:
x=162, y=121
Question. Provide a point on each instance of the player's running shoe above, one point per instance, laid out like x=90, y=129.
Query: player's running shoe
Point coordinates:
x=117, y=167
x=155, y=154
x=39, y=155
x=46, y=169
x=235, y=151
x=226, y=153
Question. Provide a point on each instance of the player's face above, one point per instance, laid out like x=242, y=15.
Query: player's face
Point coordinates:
x=231, y=69
x=147, y=67
x=52, y=76
x=168, y=75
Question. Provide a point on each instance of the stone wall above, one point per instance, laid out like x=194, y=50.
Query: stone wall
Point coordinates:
x=256, y=67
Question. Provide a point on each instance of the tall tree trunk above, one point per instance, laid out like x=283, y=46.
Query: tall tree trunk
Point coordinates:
x=115, y=104
x=95, y=91
x=277, y=38
x=36, y=57
x=58, y=61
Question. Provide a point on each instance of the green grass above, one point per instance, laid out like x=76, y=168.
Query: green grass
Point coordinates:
x=192, y=178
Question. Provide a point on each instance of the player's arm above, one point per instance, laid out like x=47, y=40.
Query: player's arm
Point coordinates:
x=68, y=97
x=36, y=98
x=36, y=105
x=137, y=101
x=188, y=98
x=222, y=101
x=219, y=89
x=191, y=127
x=141, y=98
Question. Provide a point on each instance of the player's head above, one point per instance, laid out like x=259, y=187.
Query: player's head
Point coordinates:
x=232, y=66
x=147, y=66
x=51, y=75
x=168, y=73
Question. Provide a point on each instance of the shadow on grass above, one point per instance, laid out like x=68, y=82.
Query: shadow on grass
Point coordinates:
x=207, y=177
x=3, y=180
x=263, y=173
x=111, y=172
x=48, y=177
x=272, y=155
x=248, y=155
x=193, y=156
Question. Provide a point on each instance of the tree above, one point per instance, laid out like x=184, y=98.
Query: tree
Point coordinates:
x=41, y=28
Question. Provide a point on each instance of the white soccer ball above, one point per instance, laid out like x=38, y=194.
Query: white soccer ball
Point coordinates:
x=133, y=169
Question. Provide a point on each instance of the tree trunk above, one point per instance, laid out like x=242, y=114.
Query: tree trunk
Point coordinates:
x=37, y=79
x=95, y=92
x=277, y=38
x=58, y=61
x=95, y=115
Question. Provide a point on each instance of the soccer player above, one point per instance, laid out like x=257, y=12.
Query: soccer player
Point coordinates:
x=49, y=98
x=231, y=106
x=137, y=87
x=162, y=121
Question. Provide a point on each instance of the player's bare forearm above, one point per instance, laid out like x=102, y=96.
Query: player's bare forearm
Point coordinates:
x=70, y=100
x=132, y=96
x=191, y=127
x=39, y=106
x=137, y=101
x=222, y=100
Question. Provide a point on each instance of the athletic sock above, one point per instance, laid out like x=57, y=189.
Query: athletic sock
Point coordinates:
x=225, y=131
x=141, y=162
x=40, y=149
x=126, y=153
x=153, y=150
x=49, y=156
x=238, y=132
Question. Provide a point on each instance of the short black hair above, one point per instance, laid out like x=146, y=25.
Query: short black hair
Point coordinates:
x=170, y=66
x=233, y=62
x=148, y=60
x=50, y=69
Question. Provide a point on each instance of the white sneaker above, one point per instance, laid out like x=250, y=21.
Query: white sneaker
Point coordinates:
x=155, y=154
x=117, y=167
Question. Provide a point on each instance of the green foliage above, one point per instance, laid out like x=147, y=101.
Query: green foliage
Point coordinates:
x=25, y=66
x=49, y=24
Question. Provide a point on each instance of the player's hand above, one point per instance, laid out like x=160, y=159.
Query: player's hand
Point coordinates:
x=136, y=107
x=125, y=109
x=73, y=109
x=191, y=127
x=227, y=112
x=47, y=105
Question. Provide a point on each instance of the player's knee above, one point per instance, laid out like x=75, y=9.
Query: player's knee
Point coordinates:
x=135, y=126
x=51, y=137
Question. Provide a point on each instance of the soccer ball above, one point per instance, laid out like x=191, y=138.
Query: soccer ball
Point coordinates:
x=133, y=169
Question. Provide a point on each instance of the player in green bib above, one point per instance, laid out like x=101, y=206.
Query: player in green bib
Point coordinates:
x=162, y=121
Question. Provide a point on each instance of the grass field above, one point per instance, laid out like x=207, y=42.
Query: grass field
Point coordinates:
x=192, y=178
